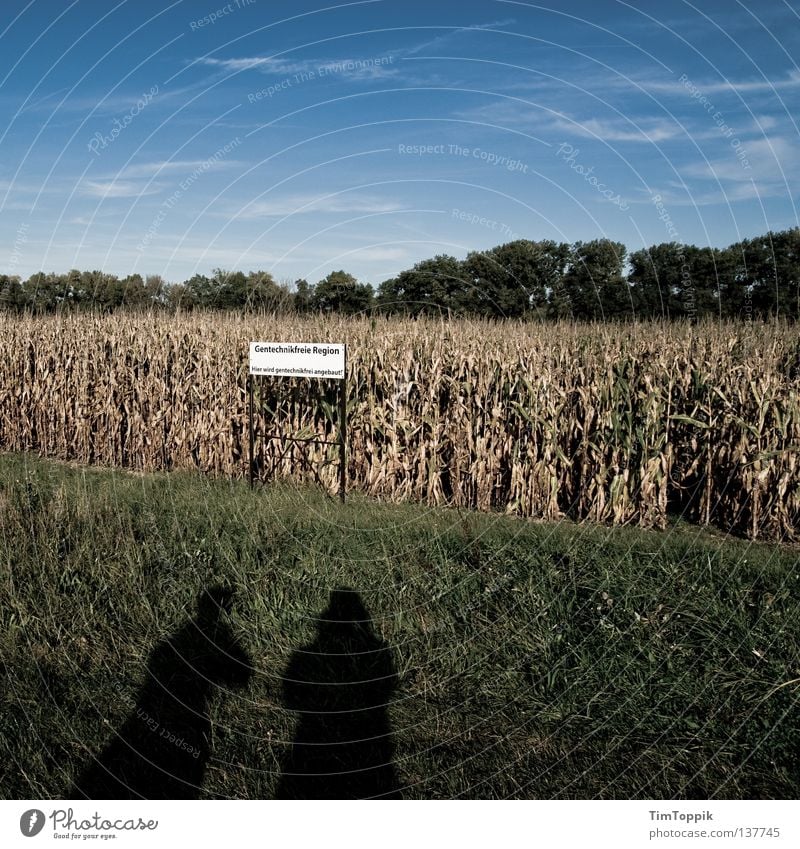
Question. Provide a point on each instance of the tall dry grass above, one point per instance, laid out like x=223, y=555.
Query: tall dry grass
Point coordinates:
x=615, y=424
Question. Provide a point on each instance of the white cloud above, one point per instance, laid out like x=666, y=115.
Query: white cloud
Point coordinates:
x=439, y=40
x=636, y=130
x=376, y=67
x=764, y=122
x=265, y=63
x=372, y=67
x=518, y=114
x=301, y=204
x=145, y=169
x=770, y=169
x=708, y=87
x=689, y=196
x=118, y=189
x=771, y=160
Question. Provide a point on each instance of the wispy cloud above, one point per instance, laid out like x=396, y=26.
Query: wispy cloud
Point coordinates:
x=359, y=67
x=247, y=63
x=226, y=256
x=353, y=66
x=650, y=130
x=676, y=194
x=445, y=38
x=146, y=169
x=113, y=105
x=773, y=162
x=118, y=189
x=732, y=17
x=515, y=114
x=380, y=254
x=18, y=186
x=594, y=80
x=773, y=171
x=301, y=204
x=791, y=80
x=509, y=113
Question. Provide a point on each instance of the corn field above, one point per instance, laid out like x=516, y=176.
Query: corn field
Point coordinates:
x=616, y=424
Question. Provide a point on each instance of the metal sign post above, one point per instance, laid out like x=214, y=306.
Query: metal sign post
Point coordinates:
x=251, y=432
x=343, y=430
x=305, y=359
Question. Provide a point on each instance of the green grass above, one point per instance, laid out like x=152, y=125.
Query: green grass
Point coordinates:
x=533, y=660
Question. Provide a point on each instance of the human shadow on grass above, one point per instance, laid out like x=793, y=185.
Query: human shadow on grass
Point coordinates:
x=340, y=684
x=162, y=749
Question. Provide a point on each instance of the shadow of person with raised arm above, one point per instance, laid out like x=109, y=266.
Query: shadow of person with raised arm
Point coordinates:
x=340, y=685
x=161, y=750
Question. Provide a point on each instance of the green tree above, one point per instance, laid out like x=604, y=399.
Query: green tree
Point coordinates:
x=515, y=278
x=199, y=292
x=97, y=290
x=594, y=284
x=178, y=297
x=708, y=269
x=230, y=289
x=303, y=293
x=263, y=293
x=12, y=295
x=341, y=292
x=770, y=272
x=44, y=292
x=735, y=289
x=432, y=286
x=135, y=293
x=155, y=291
x=654, y=279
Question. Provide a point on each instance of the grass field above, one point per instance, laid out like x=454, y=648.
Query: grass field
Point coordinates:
x=502, y=657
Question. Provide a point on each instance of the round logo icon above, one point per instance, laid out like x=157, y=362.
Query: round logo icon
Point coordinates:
x=31, y=822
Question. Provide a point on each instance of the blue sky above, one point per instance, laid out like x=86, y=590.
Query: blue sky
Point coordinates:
x=301, y=138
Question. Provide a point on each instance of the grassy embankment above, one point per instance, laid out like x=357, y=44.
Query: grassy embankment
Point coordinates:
x=523, y=660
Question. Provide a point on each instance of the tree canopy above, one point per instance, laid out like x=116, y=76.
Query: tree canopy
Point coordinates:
x=595, y=280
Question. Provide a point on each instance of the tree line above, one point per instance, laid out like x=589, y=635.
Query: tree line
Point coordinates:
x=595, y=280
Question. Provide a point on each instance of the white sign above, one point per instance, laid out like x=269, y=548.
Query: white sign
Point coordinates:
x=297, y=359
